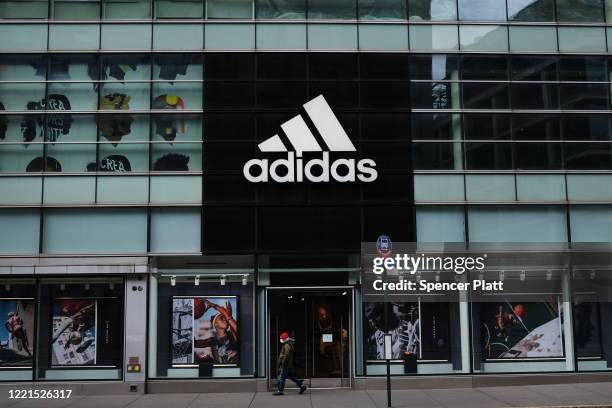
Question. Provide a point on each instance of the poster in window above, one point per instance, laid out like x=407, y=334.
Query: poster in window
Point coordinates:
x=522, y=330
x=73, y=339
x=205, y=329
x=587, y=330
x=17, y=332
x=401, y=320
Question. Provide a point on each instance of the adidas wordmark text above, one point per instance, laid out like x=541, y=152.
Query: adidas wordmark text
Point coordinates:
x=295, y=168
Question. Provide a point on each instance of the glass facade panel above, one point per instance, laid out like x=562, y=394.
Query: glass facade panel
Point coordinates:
x=582, y=10
x=432, y=10
x=534, y=39
x=434, y=37
x=582, y=39
x=24, y=9
x=484, y=187
x=544, y=224
x=328, y=10
x=483, y=38
x=70, y=231
x=482, y=10
x=538, y=10
x=126, y=9
x=382, y=10
x=179, y=8
x=591, y=223
x=20, y=231
x=229, y=9
x=280, y=9
x=440, y=224
x=167, y=224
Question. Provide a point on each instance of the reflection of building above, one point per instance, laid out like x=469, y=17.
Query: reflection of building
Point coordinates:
x=484, y=134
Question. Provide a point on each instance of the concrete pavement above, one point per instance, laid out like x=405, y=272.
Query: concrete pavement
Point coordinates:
x=566, y=395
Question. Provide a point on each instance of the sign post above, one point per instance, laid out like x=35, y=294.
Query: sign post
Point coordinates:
x=388, y=357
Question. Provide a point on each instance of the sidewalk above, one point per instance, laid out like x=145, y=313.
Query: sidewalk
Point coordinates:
x=566, y=395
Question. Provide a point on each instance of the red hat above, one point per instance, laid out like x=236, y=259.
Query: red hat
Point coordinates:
x=284, y=337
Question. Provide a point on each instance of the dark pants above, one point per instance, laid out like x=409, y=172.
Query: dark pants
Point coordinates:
x=287, y=373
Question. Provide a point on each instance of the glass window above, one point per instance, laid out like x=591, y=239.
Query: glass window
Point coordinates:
x=488, y=156
x=97, y=343
x=432, y=9
x=483, y=38
x=280, y=36
x=534, y=96
x=333, y=66
x=484, y=67
x=73, y=138
x=440, y=224
x=580, y=10
x=332, y=36
x=177, y=142
x=21, y=229
x=175, y=230
x=435, y=126
x=585, y=96
x=588, y=156
x=538, y=156
x=76, y=10
x=191, y=337
x=385, y=95
x=533, y=68
x=437, y=156
x=116, y=231
x=23, y=9
x=533, y=38
x=179, y=82
x=280, y=9
x=124, y=87
x=582, y=39
x=229, y=8
x=382, y=9
x=583, y=69
x=281, y=66
x=332, y=10
x=22, y=68
x=179, y=8
x=119, y=149
x=434, y=67
x=436, y=95
x=535, y=127
x=486, y=127
x=591, y=223
x=525, y=224
x=434, y=37
x=485, y=95
x=532, y=10
x=490, y=187
x=281, y=94
x=586, y=127
x=126, y=9
x=21, y=143
x=384, y=126
x=482, y=10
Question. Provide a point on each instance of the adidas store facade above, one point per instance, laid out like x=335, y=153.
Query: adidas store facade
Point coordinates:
x=185, y=208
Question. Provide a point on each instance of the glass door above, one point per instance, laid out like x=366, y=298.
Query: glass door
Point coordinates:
x=319, y=320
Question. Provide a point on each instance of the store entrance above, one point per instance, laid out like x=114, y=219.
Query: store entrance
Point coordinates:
x=319, y=320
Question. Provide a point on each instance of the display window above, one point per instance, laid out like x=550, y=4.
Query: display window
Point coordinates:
x=201, y=326
x=81, y=328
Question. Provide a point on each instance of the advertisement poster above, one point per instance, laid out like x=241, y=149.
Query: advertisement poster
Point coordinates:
x=401, y=320
x=522, y=330
x=205, y=329
x=73, y=340
x=16, y=334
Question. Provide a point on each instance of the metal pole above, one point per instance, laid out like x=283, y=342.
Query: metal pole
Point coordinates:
x=388, y=383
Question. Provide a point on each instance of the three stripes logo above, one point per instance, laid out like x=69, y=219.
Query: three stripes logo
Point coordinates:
x=317, y=170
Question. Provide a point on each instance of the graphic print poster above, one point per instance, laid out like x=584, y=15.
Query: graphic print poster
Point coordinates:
x=522, y=329
x=205, y=329
x=17, y=332
x=73, y=338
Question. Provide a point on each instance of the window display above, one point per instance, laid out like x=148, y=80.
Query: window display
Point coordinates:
x=205, y=329
x=84, y=331
x=587, y=329
x=17, y=332
x=416, y=328
x=522, y=330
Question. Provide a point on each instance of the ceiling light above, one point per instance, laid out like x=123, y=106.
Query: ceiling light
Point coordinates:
x=522, y=276
x=173, y=280
x=245, y=280
x=222, y=280
x=196, y=280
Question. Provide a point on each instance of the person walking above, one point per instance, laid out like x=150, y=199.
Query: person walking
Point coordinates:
x=285, y=365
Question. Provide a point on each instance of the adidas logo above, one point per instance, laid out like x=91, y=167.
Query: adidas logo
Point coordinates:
x=317, y=170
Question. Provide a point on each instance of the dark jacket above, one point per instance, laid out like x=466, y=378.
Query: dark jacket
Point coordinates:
x=285, y=358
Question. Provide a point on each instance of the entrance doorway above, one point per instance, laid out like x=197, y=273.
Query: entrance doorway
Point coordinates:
x=319, y=320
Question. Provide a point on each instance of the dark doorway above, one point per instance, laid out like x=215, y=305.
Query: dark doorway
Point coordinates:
x=319, y=320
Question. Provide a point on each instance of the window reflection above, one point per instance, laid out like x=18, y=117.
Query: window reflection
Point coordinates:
x=432, y=9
